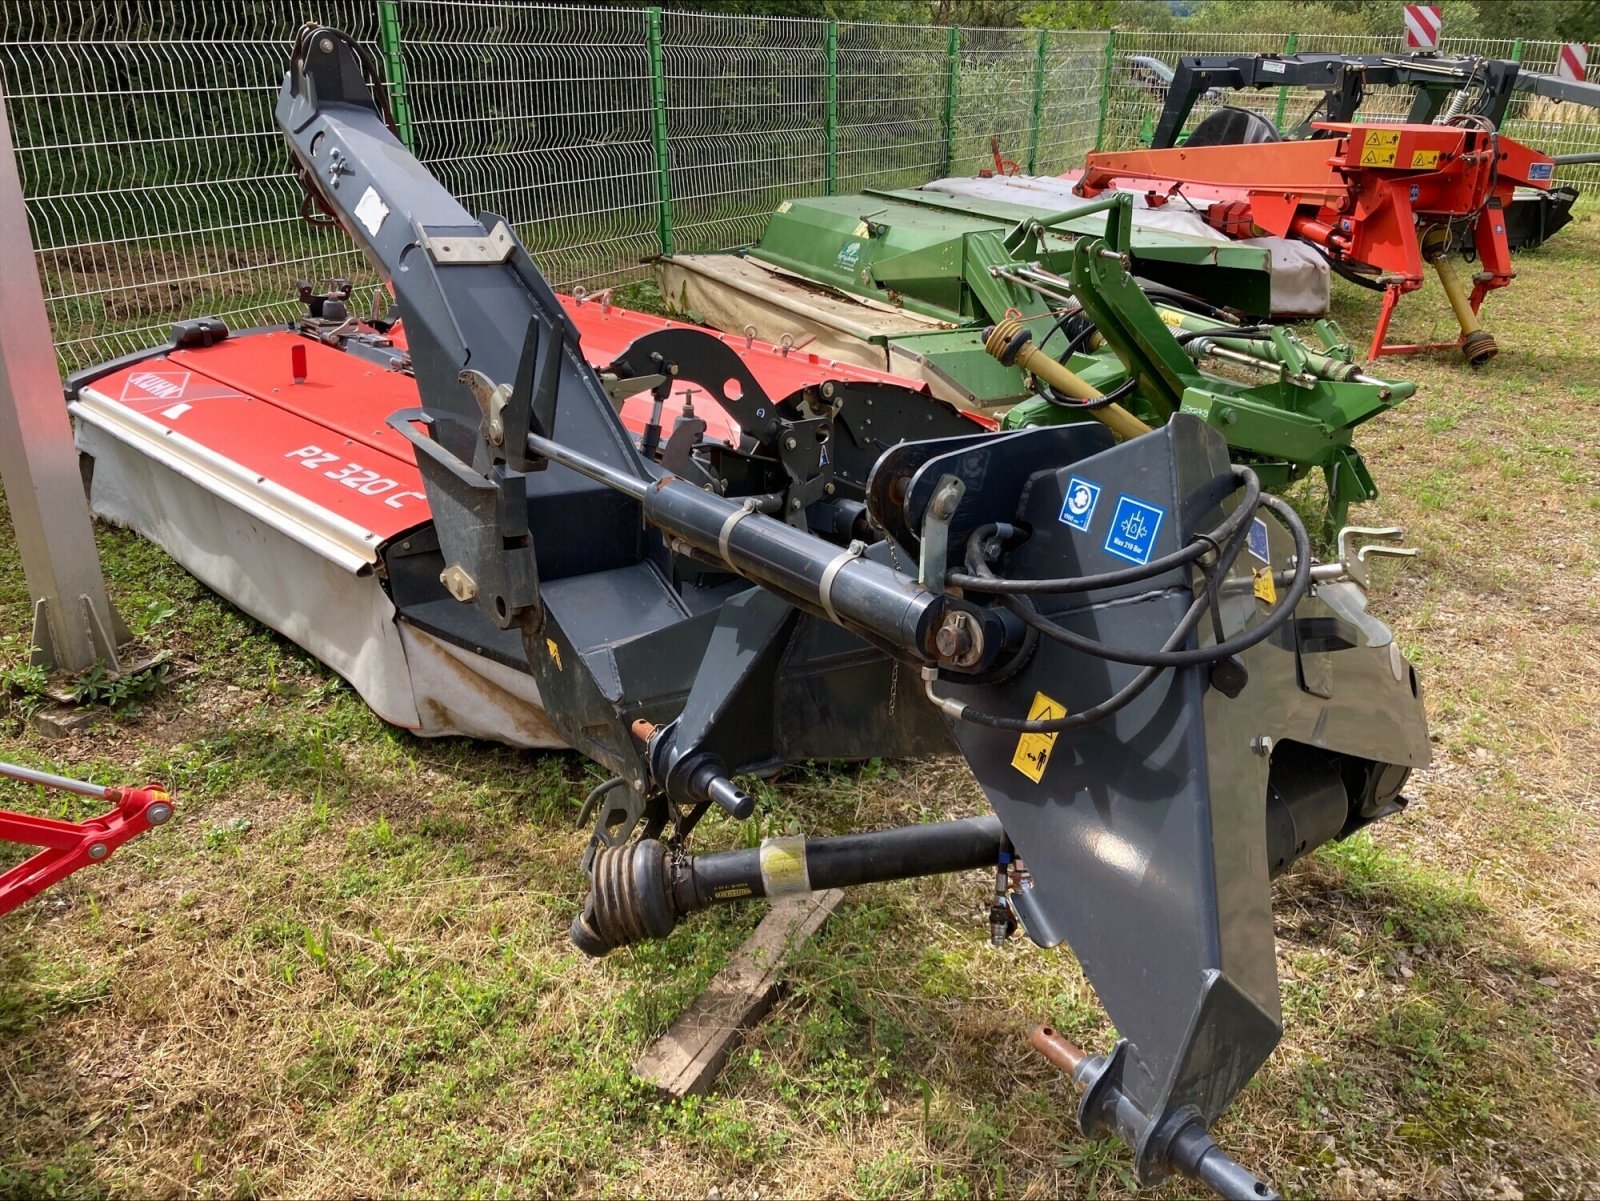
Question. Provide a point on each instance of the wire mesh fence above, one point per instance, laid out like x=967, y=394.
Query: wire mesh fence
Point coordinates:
x=542, y=115
x=158, y=184
x=893, y=82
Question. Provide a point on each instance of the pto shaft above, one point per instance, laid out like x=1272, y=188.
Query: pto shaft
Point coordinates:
x=643, y=890
x=1477, y=344
x=1010, y=343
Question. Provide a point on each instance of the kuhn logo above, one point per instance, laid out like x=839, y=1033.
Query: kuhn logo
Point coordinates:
x=156, y=385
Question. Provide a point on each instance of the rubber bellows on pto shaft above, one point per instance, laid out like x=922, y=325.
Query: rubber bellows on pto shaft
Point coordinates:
x=629, y=900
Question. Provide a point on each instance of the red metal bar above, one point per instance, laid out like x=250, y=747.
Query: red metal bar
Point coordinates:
x=69, y=846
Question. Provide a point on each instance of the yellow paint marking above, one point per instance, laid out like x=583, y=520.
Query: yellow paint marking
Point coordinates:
x=555, y=651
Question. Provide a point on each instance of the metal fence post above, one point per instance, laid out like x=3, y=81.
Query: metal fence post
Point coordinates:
x=389, y=37
x=74, y=625
x=1038, y=101
x=1516, y=51
x=830, y=119
x=1289, y=45
x=951, y=78
x=1105, y=87
x=658, y=103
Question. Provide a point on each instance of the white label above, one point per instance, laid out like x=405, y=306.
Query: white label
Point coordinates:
x=1271, y=68
x=371, y=211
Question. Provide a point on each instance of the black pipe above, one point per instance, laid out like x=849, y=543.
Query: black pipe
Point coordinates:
x=642, y=890
x=774, y=868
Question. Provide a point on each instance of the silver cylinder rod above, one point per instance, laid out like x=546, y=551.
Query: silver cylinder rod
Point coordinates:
x=601, y=473
x=44, y=779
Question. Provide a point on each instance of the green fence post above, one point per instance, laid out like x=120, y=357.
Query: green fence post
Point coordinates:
x=954, y=69
x=658, y=103
x=1283, y=93
x=1105, y=87
x=830, y=120
x=1516, y=51
x=395, y=68
x=1038, y=101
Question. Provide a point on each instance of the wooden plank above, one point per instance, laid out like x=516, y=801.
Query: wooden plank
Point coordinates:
x=686, y=1059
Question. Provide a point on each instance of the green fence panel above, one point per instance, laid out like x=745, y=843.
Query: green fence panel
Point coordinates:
x=1038, y=101
x=658, y=128
x=395, y=69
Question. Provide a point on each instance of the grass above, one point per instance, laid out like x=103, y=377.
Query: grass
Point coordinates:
x=343, y=968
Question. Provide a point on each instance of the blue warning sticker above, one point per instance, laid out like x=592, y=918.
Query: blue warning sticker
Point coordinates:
x=1541, y=170
x=1133, y=531
x=1258, y=541
x=1077, y=510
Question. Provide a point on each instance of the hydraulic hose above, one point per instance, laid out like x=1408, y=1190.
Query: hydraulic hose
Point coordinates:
x=1299, y=584
x=1169, y=655
x=984, y=581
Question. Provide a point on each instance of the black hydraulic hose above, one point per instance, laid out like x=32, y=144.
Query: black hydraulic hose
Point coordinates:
x=1120, y=699
x=1169, y=655
x=986, y=581
x=1059, y=325
x=593, y=799
x=1120, y=392
x=1130, y=691
x=1183, y=300
x=1299, y=584
x=1342, y=269
x=1250, y=333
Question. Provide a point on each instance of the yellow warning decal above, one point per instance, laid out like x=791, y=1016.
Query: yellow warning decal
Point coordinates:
x=785, y=206
x=862, y=230
x=1424, y=158
x=1033, y=750
x=1266, y=586
x=1380, y=148
x=555, y=651
x=1171, y=318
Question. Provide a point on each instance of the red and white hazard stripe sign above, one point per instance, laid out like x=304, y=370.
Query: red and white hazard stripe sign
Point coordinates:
x=1422, y=26
x=1573, y=61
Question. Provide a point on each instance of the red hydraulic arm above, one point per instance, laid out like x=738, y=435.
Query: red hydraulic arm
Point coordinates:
x=1382, y=199
x=69, y=846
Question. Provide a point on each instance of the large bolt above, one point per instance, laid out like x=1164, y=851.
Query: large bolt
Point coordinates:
x=944, y=504
x=958, y=640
